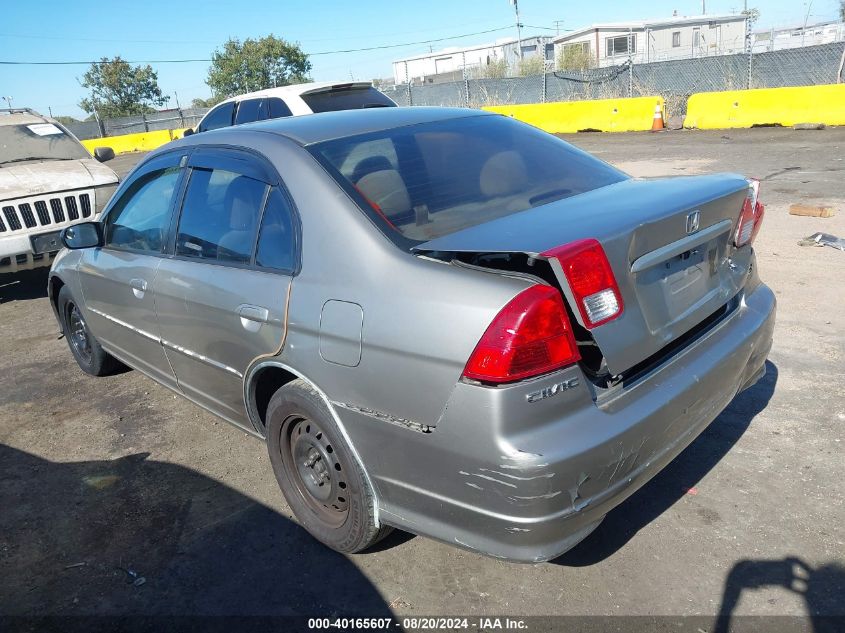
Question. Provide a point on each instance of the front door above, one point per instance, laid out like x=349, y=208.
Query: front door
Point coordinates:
x=221, y=299
x=117, y=279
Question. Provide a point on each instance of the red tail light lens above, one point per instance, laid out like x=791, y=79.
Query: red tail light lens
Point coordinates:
x=530, y=336
x=751, y=216
x=591, y=280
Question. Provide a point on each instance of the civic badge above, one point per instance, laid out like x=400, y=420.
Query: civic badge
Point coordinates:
x=693, y=221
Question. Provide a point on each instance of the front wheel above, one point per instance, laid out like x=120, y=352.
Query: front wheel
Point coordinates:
x=321, y=480
x=86, y=349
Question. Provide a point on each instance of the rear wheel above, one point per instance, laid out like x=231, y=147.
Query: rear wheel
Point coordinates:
x=89, y=355
x=321, y=480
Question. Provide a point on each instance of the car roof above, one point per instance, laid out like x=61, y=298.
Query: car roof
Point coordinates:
x=22, y=116
x=299, y=89
x=325, y=126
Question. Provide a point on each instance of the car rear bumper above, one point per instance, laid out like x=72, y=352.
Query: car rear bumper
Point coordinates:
x=527, y=481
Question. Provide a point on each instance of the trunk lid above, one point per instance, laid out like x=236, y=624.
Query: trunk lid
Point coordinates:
x=670, y=279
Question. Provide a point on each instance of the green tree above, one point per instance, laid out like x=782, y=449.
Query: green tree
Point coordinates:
x=255, y=65
x=118, y=89
x=842, y=10
x=206, y=103
x=66, y=120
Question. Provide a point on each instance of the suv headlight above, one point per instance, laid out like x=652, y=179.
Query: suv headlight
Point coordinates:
x=102, y=195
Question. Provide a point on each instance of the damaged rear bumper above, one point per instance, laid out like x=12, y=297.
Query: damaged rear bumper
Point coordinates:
x=526, y=481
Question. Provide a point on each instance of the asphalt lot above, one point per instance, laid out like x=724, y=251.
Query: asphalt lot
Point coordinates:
x=102, y=474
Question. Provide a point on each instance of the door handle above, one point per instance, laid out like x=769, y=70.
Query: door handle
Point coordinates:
x=139, y=287
x=253, y=316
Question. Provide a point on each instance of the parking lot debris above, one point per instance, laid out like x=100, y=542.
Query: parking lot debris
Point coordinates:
x=82, y=564
x=133, y=577
x=823, y=239
x=812, y=211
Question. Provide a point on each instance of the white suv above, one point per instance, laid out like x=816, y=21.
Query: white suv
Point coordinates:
x=48, y=181
x=308, y=98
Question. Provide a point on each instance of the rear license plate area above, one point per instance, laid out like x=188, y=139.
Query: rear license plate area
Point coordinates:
x=669, y=290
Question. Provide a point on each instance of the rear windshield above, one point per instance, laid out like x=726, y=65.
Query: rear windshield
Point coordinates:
x=432, y=179
x=346, y=99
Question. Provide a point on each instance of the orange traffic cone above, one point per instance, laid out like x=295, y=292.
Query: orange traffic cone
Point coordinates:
x=657, y=123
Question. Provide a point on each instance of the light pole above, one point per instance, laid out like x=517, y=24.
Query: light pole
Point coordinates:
x=8, y=100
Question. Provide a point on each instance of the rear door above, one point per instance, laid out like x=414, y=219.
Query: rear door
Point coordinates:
x=117, y=280
x=221, y=299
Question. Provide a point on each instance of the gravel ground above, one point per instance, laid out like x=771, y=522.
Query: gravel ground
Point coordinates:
x=101, y=476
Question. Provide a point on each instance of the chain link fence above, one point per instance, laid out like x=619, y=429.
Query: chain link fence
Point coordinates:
x=674, y=80
x=164, y=120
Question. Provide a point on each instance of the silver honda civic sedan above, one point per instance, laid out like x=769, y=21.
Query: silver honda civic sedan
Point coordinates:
x=440, y=320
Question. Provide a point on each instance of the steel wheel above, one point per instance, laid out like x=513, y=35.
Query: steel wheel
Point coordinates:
x=314, y=469
x=78, y=335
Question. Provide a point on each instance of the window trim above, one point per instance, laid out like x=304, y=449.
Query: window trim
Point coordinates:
x=676, y=39
x=262, y=170
x=631, y=38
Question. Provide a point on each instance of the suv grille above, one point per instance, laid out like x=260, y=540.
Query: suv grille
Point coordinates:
x=47, y=212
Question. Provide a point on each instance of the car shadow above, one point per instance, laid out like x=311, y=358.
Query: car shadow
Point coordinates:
x=138, y=537
x=673, y=482
x=821, y=588
x=23, y=286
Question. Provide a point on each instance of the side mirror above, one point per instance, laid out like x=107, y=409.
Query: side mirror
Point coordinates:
x=83, y=235
x=102, y=154
x=187, y=132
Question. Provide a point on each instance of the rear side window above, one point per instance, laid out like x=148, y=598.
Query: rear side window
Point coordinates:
x=220, y=215
x=432, y=179
x=275, y=241
x=221, y=116
x=341, y=98
x=251, y=110
x=277, y=108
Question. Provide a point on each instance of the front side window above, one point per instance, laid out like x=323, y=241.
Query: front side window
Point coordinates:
x=676, y=39
x=221, y=116
x=220, y=216
x=428, y=180
x=140, y=219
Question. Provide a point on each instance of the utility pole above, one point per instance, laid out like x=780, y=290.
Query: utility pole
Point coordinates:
x=806, y=17
x=703, y=7
x=557, y=24
x=518, y=28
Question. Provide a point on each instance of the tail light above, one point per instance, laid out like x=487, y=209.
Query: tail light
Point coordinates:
x=531, y=335
x=591, y=280
x=751, y=216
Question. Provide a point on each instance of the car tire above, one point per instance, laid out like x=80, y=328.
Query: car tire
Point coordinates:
x=319, y=476
x=86, y=349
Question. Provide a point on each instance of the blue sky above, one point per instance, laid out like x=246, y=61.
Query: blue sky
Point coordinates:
x=51, y=30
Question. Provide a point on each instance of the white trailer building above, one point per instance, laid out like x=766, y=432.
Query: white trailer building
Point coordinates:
x=656, y=40
x=448, y=64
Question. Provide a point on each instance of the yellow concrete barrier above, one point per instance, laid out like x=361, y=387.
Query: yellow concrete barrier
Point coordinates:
x=604, y=115
x=767, y=106
x=140, y=142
